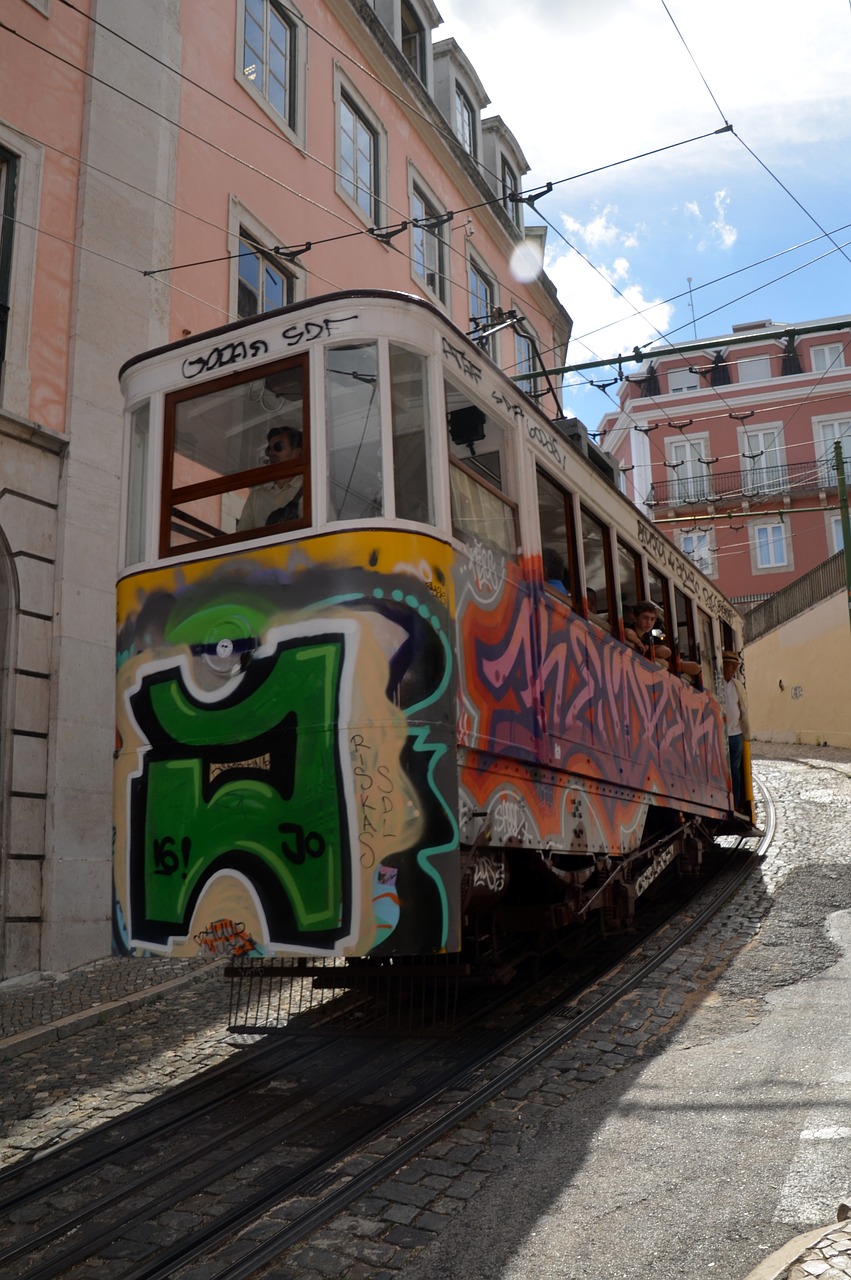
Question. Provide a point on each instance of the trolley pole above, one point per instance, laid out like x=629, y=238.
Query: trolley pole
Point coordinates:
x=846, y=522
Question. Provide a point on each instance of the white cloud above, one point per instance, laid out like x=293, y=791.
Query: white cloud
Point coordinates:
x=725, y=233
x=693, y=208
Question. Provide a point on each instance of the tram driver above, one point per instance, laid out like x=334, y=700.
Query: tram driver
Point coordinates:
x=279, y=500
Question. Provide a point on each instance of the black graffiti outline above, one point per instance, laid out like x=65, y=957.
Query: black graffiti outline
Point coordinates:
x=224, y=356
x=311, y=330
x=665, y=555
x=463, y=361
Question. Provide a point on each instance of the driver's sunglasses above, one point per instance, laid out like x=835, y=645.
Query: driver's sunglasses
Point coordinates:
x=278, y=447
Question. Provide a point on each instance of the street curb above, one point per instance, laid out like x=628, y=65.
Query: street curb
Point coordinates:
x=61, y=1028
x=776, y=1264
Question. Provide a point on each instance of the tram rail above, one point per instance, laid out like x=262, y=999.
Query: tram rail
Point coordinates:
x=242, y=1136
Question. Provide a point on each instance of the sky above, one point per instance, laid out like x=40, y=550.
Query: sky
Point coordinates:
x=594, y=84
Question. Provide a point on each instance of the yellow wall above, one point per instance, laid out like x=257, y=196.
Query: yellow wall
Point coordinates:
x=799, y=678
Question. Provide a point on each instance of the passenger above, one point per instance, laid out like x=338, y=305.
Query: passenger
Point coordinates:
x=554, y=571
x=279, y=500
x=738, y=728
x=649, y=634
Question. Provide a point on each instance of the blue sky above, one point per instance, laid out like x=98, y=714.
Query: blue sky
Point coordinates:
x=589, y=83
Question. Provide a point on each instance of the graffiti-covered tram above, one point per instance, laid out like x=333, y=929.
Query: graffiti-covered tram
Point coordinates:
x=374, y=694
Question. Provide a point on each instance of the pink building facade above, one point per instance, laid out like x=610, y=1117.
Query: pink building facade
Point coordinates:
x=729, y=444
x=165, y=169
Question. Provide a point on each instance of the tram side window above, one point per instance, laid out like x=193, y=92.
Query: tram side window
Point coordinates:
x=686, y=635
x=659, y=596
x=706, y=641
x=478, y=453
x=558, y=538
x=630, y=581
x=597, y=552
x=237, y=456
x=137, y=489
x=412, y=452
x=353, y=409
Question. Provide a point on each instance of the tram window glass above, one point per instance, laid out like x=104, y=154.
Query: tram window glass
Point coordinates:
x=226, y=469
x=479, y=451
x=353, y=414
x=706, y=639
x=412, y=475
x=558, y=536
x=137, y=490
x=686, y=637
x=659, y=596
x=629, y=576
x=596, y=551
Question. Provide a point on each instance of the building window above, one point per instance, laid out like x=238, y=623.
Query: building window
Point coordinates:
x=686, y=460
x=413, y=41
x=837, y=542
x=269, y=55
x=465, y=121
x=8, y=180
x=263, y=284
x=762, y=466
x=428, y=246
x=682, y=380
x=482, y=304
x=828, y=357
x=754, y=369
x=697, y=545
x=358, y=167
x=524, y=362
x=832, y=433
x=511, y=184
x=770, y=544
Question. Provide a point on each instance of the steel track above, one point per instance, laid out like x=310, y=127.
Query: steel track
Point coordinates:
x=280, y=1128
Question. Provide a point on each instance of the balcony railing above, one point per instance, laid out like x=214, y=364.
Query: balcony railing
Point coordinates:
x=752, y=482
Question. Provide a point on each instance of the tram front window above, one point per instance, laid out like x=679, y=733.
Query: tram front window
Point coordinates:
x=353, y=407
x=237, y=456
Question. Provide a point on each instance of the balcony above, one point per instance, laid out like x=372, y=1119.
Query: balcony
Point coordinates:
x=754, y=482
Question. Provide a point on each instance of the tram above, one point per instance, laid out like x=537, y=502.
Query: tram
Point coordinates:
x=359, y=713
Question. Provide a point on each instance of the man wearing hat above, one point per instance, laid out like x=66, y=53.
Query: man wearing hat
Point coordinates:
x=736, y=704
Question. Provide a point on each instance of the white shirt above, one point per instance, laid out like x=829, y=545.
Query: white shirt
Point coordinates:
x=734, y=714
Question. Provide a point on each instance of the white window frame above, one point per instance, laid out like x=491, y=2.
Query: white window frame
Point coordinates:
x=754, y=368
x=682, y=380
x=423, y=40
x=834, y=533
x=292, y=124
x=757, y=477
x=476, y=266
x=438, y=289
x=826, y=432
x=827, y=358
x=242, y=220
x=509, y=181
x=346, y=97
x=461, y=99
x=524, y=358
x=771, y=529
x=693, y=480
x=703, y=557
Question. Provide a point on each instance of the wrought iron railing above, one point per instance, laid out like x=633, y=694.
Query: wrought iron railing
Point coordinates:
x=757, y=481
x=819, y=583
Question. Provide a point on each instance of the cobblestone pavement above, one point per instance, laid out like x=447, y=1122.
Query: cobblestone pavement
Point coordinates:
x=126, y=1036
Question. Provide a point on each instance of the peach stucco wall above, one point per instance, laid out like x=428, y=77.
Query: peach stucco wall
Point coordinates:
x=52, y=107
x=799, y=678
